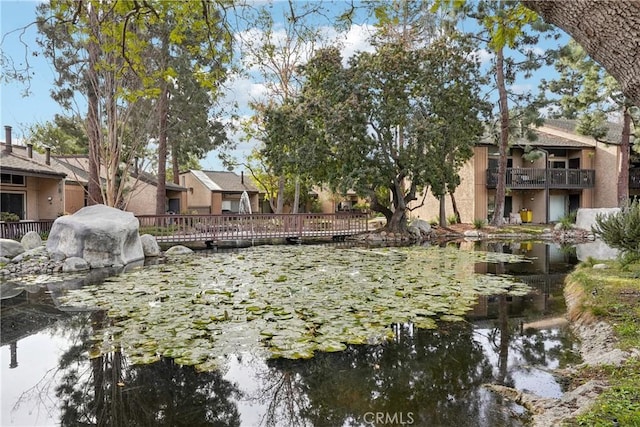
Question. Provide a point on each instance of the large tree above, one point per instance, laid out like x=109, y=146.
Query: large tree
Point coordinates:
x=586, y=92
x=372, y=139
x=273, y=50
x=117, y=56
x=608, y=30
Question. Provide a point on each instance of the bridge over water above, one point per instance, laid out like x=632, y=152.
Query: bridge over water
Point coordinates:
x=214, y=229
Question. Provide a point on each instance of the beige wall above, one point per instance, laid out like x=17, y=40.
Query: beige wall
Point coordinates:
x=198, y=200
x=36, y=193
x=606, y=164
x=141, y=199
x=74, y=197
x=466, y=196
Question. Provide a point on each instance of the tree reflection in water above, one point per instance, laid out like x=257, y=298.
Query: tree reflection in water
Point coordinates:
x=113, y=393
x=423, y=377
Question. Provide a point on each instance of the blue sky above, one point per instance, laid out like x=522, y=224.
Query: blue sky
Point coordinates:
x=23, y=105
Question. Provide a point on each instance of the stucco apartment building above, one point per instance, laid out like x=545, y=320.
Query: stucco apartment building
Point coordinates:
x=216, y=192
x=550, y=177
x=38, y=186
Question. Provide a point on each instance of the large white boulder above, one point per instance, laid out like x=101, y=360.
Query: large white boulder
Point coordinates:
x=101, y=235
x=586, y=217
x=10, y=248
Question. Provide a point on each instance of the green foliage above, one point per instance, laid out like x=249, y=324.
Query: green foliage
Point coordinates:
x=394, y=121
x=478, y=223
x=568, y=221
x=452, y=219
x=65, y=135
x=9, y=217
x=612, y=295
x=621, y=230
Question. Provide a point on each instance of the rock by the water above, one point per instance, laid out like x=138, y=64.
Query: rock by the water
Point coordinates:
x=150, y=246
x=31, y=240
x=101, y=235
x=586, y=217
x=73, y=264
x=178, y=250
x=10, y=248
x=422, y=225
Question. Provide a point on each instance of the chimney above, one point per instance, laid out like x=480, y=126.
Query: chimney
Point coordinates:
x=7, y=133
x=48, y=155
x=242, y=177
x=30, y=151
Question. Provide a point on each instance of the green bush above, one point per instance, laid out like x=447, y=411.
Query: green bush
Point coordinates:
x=478, y=223
x=9, y=216
x=567, y=221
x=621, y=230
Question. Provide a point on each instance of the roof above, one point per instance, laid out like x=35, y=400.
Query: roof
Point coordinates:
x=18, y=161
x=224, y=181
x=561, y=133
x=153, y=180
x=614, y=134
x=547, y=140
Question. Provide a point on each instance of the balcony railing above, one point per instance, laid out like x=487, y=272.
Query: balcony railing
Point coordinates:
x=524, y=178
x=634, y=178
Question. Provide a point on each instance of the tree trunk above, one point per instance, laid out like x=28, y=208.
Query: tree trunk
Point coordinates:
x=174, y=162
x=296, y=197
x=607, y=30
x=456, y=212
x=625, y=145
x=163, y=118
x=443, y=211
x=280, y=202
x=398, y=221
x=503, y=143
x=161, y=190
x=93, y=121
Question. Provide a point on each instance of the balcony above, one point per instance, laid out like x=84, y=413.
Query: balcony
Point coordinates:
x=634, y=178
x=531, y=178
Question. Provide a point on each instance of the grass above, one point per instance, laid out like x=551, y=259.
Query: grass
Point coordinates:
x=613, y=295
x=532, y=229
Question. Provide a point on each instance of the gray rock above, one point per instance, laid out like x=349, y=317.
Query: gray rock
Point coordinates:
x=596, y=250
x=10, y=248
x=423, y=226
x=4, y=260
x=73, y=264
x=31, y=240
x=178, y=250
x=101, y=235
x=472, y=233
x=150, y=246
x=586, y=218
x=600, y=266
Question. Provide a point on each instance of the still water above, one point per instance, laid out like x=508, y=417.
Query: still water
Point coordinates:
x=421, y=377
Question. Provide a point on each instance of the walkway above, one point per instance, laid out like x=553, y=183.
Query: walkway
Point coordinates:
x=231, y=227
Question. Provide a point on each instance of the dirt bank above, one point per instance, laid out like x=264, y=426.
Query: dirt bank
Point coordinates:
x=598, y=347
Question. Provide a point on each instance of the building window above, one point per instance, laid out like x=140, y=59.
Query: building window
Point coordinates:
x=7, y=178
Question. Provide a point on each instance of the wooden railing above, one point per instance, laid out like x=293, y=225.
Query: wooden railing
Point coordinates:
x=523, y=178
x=211, y=228
x=16, y=229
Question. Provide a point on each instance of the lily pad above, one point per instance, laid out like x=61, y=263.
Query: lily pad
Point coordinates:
x=291, y=301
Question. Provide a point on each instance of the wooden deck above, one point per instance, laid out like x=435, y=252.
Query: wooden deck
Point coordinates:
x=212, y=229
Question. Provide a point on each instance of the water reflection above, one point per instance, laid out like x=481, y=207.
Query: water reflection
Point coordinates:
x=423, y=377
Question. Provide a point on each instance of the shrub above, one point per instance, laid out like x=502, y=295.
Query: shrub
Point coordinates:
x=478, y=223
x=9, y=216
x=567, y=221
x=452, y=219
x=621, y=230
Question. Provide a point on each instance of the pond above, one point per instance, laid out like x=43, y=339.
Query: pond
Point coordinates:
x=291, y=335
